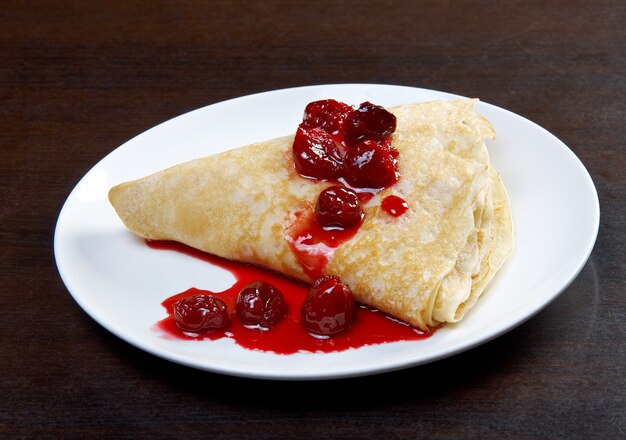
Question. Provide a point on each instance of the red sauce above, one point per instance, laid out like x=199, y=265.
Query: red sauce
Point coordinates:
x=394, y=205
x=337, y=143
x=289, y=336
x=314, y=245
x=334, y=142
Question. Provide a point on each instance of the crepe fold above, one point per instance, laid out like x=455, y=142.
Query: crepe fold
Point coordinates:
x=426, y=267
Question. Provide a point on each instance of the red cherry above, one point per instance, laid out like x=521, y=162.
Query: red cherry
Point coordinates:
x=201, y=313
x=371, y=165
x=368, y=122
x=338, y=206
x=328, y=308
x=260, y=303
x=315, y=154
x=326, y=114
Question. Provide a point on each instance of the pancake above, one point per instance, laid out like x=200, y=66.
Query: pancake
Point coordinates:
x=426, y=267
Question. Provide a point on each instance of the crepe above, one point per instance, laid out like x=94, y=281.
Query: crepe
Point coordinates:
x=425, y=267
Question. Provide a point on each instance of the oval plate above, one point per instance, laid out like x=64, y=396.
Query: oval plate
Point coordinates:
x=120, y=282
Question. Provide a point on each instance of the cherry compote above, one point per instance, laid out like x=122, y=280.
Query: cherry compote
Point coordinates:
x=201, y=313
x=327, y=115
x=316, y=155
x=338, y=207
x=371, y=165
x=328, y=308
x=260, y=304
x=314, y=245
x=368, y=122
x=337, y=143
x=369, y=326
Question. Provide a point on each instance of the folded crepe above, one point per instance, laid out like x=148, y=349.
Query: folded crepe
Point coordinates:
x=425, y=267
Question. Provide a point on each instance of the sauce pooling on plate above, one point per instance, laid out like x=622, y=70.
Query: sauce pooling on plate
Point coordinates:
x=370, y=326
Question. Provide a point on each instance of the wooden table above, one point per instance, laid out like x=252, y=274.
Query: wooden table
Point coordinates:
x=77, y=79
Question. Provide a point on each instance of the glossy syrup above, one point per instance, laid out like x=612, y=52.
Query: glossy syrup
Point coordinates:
x=370, y=326
x=314, y=245
x=394, y=205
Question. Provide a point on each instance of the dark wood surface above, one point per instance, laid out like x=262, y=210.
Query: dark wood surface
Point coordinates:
x=77, y=79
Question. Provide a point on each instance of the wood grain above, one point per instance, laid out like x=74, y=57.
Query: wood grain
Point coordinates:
x=77, y=79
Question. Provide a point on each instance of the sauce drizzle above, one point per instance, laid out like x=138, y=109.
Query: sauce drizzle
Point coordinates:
x=289, y=336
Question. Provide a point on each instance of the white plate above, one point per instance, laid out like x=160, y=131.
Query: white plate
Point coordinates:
x=120, y=282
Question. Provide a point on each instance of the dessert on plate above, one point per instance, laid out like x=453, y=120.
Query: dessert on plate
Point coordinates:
x=402, y=204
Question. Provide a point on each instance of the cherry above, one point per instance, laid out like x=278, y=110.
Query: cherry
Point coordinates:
x=338, y=206
x=328, y=308
x=368, y=122
x=315, y=154
x=326, y=114
x=201, y=313
x=371, y=165
x=260, y=303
